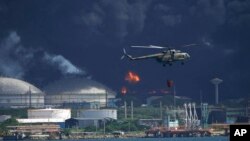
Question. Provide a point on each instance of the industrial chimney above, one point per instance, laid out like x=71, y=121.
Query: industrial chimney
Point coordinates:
x=216, y=82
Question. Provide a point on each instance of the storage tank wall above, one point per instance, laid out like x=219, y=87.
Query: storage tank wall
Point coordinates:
x=37, y=100
x=50, y=113
x=107, y=113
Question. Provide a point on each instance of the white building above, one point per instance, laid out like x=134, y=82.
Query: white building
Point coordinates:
x=55, y=116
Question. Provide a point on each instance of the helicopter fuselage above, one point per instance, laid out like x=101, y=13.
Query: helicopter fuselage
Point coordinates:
x=165, y=57
x=169, y=57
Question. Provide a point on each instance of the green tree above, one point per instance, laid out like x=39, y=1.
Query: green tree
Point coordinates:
x=8, y=122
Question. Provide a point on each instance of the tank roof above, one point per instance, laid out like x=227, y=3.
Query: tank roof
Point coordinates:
x=73, y=85
x=16, y=86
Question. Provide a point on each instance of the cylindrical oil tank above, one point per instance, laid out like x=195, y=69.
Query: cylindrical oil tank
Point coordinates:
x=49, y=113
x=101, y=113
x=72, y=90
x=218, y=116
x=16, y=93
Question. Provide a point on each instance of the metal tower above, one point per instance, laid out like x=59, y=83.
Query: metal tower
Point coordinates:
x=191, y=118
x=204, y=114
x=216, y=82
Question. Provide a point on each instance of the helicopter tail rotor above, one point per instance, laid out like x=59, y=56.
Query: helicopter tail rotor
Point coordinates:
x=124, y=52
x=126, y=55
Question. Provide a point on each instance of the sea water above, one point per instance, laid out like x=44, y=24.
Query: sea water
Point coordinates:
x=217, y=138
x=160, y=139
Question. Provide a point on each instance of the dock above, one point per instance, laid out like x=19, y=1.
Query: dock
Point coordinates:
x=44, y=131
x=165, y=132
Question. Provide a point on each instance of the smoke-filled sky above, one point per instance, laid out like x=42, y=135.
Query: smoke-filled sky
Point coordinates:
x=42, y=41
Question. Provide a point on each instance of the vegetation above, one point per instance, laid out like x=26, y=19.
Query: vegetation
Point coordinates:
x=16, y=113
x=91, y=129
x=129, y=125
x=119, y=125
x=8, y=122
x=67, y=131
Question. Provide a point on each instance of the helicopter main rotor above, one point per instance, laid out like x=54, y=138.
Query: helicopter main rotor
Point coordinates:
x=161, y=47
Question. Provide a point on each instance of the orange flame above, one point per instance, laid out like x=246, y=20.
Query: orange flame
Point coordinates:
x=132, y=77
x=124, y=90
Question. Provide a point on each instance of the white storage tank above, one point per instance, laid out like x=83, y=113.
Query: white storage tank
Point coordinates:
x=49, y=114
x=73, y=90
x=100, y=114
x=16, y=93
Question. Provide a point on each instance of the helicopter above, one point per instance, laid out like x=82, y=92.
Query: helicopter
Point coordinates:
x=168, y=56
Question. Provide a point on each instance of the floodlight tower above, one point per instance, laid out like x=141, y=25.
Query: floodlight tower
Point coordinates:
x=216, y=82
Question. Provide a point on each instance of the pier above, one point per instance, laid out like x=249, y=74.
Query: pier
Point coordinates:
x=164, y=132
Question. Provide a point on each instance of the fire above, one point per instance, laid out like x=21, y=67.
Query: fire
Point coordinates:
x=132, y=77
x=124, y=90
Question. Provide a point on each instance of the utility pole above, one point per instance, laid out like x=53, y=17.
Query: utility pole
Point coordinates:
x=29, y=97
x=129, y=125
x=132, y=110
x=174, y=104
x=106, y=97
x=160, y=109
x=201, y=96
x=125, y=109
x=104, y=126
x=96, y=127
